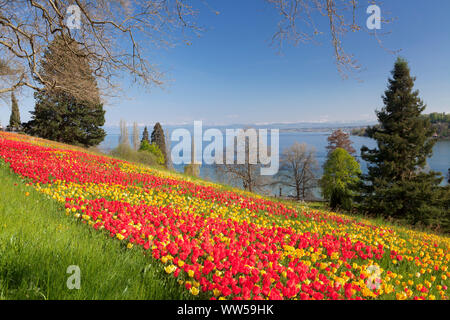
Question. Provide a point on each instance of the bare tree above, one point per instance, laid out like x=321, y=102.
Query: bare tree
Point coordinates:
x=193, y=168
x=169, y=155
x=114, y=34
x=300, y=22
x=123, y=138
x=9, y=75
x=244, y=172
x=111, y=33
x=135, y=136
x=298, y=170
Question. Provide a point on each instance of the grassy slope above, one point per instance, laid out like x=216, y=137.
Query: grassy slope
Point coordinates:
x=38, y=242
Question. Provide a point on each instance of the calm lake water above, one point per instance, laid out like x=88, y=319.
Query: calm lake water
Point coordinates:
x=439, y=161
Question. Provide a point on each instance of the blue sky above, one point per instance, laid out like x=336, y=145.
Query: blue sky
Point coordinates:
x=231, y=74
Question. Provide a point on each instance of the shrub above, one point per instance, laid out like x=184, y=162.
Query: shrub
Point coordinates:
x=192, y=169
x=341, y=174
x=126, y=152
x=153, y=149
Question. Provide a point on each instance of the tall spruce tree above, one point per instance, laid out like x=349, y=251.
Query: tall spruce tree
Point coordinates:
x=396, y=184
x=58, y=115
x=14, y=120
x=159, y=139
x=145, y=135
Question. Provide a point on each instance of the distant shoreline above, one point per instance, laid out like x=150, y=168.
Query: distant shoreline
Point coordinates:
x=362, y=132
x=320, y=129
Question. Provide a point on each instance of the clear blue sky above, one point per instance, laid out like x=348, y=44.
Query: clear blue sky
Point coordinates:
x=232, y=75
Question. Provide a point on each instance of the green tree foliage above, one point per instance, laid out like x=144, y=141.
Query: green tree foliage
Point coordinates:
x=145, y=135
x=436, y=117
x=396, y=184
x=159, y=139
x=341, y=175
x=58, y=115
x=14, y=120
x=439, y=121
x=126, y=152
x=61, y=118
x=441, y=124
x=153, y=149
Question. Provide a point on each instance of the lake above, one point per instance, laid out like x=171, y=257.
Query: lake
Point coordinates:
x=439, y=161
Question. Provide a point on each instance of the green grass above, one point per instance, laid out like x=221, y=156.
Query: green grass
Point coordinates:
x=38, y=242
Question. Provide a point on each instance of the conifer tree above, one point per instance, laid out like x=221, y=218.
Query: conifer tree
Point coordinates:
x=159, y=139
x=14, y=120
x=58, y=115
x=145, y=136
x=396, y=184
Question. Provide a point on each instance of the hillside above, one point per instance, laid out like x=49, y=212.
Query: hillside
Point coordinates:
x=217, y=242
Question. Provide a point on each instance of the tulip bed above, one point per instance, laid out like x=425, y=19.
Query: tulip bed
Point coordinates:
x=228, y=244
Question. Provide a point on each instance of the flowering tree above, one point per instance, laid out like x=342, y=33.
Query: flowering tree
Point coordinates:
x=340, y=139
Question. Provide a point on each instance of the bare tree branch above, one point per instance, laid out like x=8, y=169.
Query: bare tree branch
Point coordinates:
x=117, y=35
x=298, y=170
x=300, y=22
x=112, y=34
x=244, y=173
